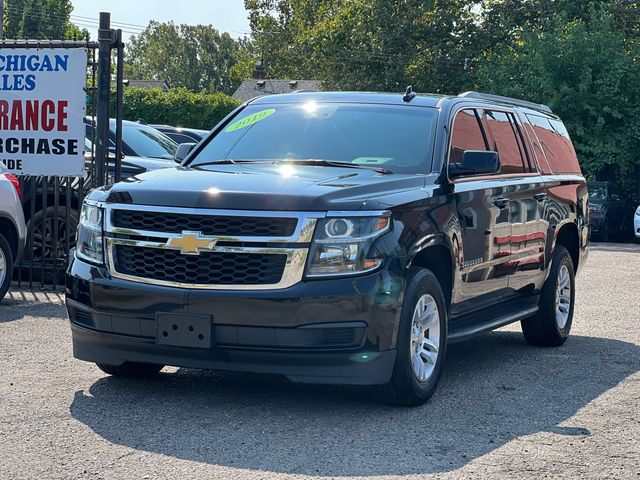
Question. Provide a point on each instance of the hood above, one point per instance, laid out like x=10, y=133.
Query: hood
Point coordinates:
x=263, y=186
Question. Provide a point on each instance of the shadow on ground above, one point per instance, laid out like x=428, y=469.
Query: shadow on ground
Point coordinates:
x=20, y=303
x=615, y=247
x=495, y=388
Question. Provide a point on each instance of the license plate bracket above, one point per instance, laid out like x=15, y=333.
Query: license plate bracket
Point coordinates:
x=183, y=330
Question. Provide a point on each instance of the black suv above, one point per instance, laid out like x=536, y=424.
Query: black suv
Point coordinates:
x=341, y=238
x=607, y=211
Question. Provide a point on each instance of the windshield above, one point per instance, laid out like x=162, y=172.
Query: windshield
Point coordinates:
x=396, y=138
x=148, y=142
x=597, y=192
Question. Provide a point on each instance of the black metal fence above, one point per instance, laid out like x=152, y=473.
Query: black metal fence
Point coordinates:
x=51, y=204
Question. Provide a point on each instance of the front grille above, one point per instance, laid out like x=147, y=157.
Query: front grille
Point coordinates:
x=208, y=268
x=219, y=225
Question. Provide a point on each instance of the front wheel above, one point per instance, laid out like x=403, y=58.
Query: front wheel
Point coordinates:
x=550, y=327
x=422, y=341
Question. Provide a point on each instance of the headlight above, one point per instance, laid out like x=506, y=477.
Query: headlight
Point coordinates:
x=89, y=244
x=638, y=211
x=341, y=245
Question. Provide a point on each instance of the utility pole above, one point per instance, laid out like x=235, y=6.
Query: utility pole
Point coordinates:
x=1, y=18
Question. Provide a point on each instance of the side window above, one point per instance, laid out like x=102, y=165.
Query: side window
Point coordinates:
x=180, y=138
x=466, y=135
x=504, y=141
x=535, y=129
x=556, y=144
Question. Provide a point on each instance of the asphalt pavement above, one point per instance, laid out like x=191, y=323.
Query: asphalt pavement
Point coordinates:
x=503, y=409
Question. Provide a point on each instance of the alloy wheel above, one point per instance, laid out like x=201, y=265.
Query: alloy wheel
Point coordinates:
x=3, y=267
x=425, y=337
x=563, y=297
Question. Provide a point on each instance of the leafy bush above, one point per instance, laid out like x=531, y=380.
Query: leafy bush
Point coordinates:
x=178, y=106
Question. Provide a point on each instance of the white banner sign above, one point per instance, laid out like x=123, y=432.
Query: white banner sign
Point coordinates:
x=42, y=109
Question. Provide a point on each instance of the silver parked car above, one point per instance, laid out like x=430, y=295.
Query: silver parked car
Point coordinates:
x=12, y=228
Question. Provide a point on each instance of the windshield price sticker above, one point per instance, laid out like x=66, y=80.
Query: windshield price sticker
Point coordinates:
x=42, y=109
x=250, y=120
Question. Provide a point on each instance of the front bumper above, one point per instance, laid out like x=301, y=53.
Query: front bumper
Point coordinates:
x=636, y=225
x=338, y=331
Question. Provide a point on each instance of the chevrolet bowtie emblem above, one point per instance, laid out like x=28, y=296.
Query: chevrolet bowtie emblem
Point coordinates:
x=191, y=243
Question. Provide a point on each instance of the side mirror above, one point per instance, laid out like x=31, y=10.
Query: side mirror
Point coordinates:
x=476, y=162
x=184, y=149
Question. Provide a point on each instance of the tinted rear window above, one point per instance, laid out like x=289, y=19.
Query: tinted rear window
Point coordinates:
x=556, y=144
x=397, y=138
x=148, y=142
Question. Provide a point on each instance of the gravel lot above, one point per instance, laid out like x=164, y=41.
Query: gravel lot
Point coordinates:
x=503, y=409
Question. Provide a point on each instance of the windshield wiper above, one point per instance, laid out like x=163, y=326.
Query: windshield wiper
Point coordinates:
x=226, y=161
x=331, y=163
x=309, y=161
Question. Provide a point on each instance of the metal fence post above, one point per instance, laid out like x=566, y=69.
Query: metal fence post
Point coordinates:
x=104, y=86
x=119, y=88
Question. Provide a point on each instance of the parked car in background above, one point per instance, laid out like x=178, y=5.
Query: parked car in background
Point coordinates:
x=341, y=238
x=636, y=222
x=13, y=231
x=607, y=211
x=182, y=135
x=138, y=140
x=144, y=149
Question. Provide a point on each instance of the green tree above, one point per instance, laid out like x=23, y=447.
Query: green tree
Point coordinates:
x=584, y=70
x=364, y=44
x=197, y=57
x=40, y=19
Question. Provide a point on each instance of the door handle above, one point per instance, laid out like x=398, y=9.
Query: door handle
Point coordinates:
x=501, y=202
x=540, y=196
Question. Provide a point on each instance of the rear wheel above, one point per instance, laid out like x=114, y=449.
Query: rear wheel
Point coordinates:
x=422, y=340
x=6, y=266
x=550, y=327
x=131, y=369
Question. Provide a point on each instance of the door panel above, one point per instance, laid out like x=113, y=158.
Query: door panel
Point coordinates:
x=527, y=204
x=484, y=247
x=482, y=211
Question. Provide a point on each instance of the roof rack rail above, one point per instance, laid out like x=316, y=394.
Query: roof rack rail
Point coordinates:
x=511, y=101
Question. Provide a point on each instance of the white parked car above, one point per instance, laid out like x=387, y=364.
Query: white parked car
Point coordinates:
x=12, y=228
x=636, y=222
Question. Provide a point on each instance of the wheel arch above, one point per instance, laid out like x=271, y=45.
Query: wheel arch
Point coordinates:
x=438, y=257
x=10, y=232
x=567, y=236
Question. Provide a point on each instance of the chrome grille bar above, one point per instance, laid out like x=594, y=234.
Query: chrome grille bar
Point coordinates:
x=296, y=252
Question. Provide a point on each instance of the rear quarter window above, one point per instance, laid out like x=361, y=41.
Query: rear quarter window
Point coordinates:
x=556, y=144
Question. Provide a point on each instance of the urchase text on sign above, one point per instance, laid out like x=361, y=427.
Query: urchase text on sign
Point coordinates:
x=42, y=105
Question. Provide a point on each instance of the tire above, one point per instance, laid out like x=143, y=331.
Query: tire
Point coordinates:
x=6, y=266
x=405, y=387
x=131, y=369
x=550, y=327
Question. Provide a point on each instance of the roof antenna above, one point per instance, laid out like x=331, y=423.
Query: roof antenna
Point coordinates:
x=409, y=94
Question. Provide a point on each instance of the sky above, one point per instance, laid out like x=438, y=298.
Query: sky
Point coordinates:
x=134, y=15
